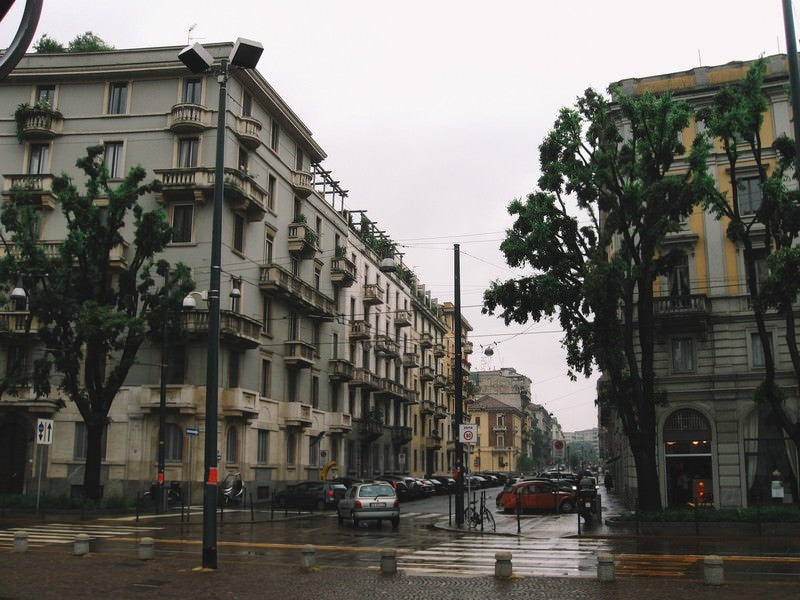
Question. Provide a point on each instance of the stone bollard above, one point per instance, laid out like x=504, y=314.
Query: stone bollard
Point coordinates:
x=308, y=557
x=502, y=565
x=20, y=541
x=712, y=570
x=605, y=567
x=146, y=548
x=388, y=561
x=81, y=545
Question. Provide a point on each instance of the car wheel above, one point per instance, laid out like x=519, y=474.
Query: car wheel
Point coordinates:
x=567, y=506
x=395, y=522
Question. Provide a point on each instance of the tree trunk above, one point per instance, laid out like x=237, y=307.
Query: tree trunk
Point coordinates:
x=94, y=456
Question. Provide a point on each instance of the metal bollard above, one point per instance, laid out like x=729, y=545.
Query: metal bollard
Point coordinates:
x=308, y=557
x=502, y=565
x=146, y=548
x=81, y=545
x=713, y=573
x=388, y=561
x=20, y=541
x=605, y=567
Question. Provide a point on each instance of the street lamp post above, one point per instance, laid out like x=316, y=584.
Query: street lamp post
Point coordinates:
x=245, y=54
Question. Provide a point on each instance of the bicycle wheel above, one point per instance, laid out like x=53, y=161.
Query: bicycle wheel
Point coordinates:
x=489, y=518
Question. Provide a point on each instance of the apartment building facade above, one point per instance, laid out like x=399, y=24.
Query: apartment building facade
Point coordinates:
x=328, y=359
x=712, y=447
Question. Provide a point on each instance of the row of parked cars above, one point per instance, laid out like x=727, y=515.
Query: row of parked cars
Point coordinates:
x=551, y=490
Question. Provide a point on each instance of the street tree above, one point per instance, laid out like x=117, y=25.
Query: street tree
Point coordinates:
x=590, y=237
x=91, y=319
x=763, y=216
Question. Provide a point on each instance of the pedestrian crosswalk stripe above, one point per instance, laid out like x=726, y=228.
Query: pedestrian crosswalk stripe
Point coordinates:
x=62, y=533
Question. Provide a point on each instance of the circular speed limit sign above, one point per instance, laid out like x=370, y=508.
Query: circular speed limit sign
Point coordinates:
x=559, y=445
x=468, y=433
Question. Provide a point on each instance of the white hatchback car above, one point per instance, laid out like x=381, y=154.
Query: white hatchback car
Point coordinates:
x=373, y=501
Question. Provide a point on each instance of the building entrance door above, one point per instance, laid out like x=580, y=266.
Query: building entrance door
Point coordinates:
x=13, y=450
x=687, y=456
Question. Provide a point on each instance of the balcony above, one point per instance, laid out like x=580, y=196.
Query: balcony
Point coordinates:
x=37, y=124
x=340, y=370
x=441, y=412
x=295, y=414
x=25, y=400
x=34, y=190
x=400, y=435
x=197, y=184
x=427, y=407
x=410, y=360
x=466, y=366
x=411, y=396
x=302, y=240
x=370, y=429
x=467, y=348
x=438, y=350
x=433, y=442
x=338, y=422
x=363, y=378
x=386, y=345
x=236, y=402
x=360, y=330
x=248, y=130
x=188, y=118
x=426, y=374
x=403, y=318
x=302, y=183
x=343, y=271
x=180, y=399
x=14, y=324
x=389, y=387
x=499, y=428
x=274, y=280
x=235, y=329
x=425, y=340
x=373, y=294
x=298, y=354
x=439, y=381
x=683, y=313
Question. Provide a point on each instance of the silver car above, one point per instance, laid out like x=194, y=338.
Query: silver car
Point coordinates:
x=370, y=501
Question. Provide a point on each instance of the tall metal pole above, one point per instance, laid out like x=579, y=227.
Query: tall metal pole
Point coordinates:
x=459, y=415
x=212, y=374
x=161, y=499
x=794, y=76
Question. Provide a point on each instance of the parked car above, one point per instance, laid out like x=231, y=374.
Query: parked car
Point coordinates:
x=319, y=495
x=448, y=483
x=426, y=487
x=376, y=501
x=537, y=495
x=349, y=481
x=400, y=485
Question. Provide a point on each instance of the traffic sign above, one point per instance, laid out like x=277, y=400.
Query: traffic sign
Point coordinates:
x=468, y=433
x=44, y=432
x=558, y=444
x=192, y=431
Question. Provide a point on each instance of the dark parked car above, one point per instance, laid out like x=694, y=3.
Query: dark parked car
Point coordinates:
x=317, y=495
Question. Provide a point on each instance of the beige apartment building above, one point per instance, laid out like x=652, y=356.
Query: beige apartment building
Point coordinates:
x=330, y=361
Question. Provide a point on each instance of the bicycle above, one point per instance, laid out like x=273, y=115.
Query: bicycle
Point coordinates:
x=479, y=517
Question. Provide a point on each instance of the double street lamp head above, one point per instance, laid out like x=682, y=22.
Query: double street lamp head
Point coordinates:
x=245, y=54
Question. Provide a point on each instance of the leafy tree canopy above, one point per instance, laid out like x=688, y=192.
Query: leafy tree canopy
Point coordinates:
x=85, y=42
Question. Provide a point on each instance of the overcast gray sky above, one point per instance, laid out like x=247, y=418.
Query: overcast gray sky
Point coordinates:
x=431, y=111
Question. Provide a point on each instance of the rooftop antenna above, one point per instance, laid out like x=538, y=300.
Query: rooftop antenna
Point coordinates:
x=189, y=34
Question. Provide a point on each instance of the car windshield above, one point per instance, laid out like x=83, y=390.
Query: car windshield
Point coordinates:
x=376, y=490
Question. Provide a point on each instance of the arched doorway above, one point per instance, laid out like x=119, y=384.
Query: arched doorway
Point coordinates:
x=14, y=436
x=687, y=458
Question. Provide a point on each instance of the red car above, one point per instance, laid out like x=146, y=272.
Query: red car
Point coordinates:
x=537, y=495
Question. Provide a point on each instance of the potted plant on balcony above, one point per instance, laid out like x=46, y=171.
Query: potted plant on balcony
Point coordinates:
x=25, y=112
x=341, y=252
x=299, y=218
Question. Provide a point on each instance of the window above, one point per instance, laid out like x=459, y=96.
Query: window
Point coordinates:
x=749, y=195
x=231, y=446
x=182, y=223
x=188, y=149
x=38, y=159
x=176, y=365
x=269, y=245
x=501, y=441
x=759, y=265
x=192, y=91
x=757, y=350
x=46, y=94
x=299, y=159
x=117, y=98
x=173, y=442
x=247, y=104
x=500, y=420
x=266, y=378
x=271, y=191
x=266, y=316
x=317, y=277
x=313, y=451
x=315, y=391
x=274, y=135
x=291, y=449
x=244, y=159
x=291, y=386
x=81, y=442
x=112, y=159
x=238, y=233
x=679, y=279
x=233, y=368
x=682, y=355
x=17, y=357
x=263, y=447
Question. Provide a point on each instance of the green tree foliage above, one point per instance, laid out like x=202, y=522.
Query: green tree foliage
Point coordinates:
x=597, y=278
x=735, y=119
x=91, y=319
x=85, y=42
x=46, y=45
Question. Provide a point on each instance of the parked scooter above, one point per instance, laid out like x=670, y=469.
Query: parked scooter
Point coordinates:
x=231, y=490
x=173, y=491
x=587, y=498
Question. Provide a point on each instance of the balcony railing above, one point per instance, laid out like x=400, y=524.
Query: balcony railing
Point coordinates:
x=410, y=360
x=373, y=293
x=390, y=388
x=338, y=422
x=386, y=345
x=236, y=402
x=360, y=330
x=302, y=183
x=426, y=340
x=438, y=350
x=235, y=329
x=276, y=280
x=189, y=118
x=441, y=412
x=14, y=323
x=340, y=369
x=466, y=347
x=343, y=271
x=427, y=407
x=427, y=374
x=439, y=381
x=302, y=240
x=40, y=124
x=295, y=414
x=182, y=399
x=298, y=354
x=692, y=304
x=364, y=378
x=25, y=400
x=38, y=189
x=411, y=396
x=248, y=130
x=370, y=429
x=433, y=442
x=403, y=318
x=400, y=435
